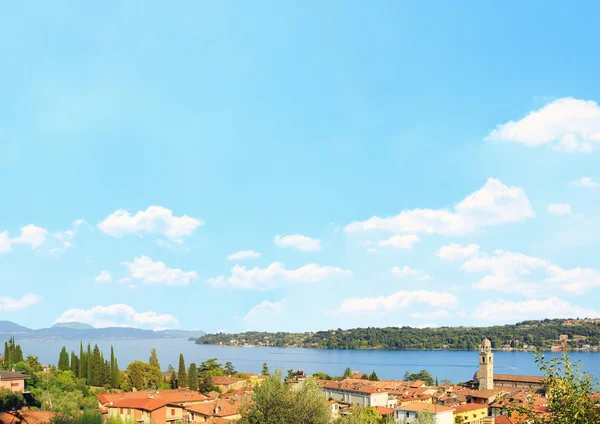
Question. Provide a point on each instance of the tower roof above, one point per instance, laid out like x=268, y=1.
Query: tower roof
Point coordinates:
x=486, y=343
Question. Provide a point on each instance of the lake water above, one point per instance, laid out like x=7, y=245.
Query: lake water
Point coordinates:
x=454, y=365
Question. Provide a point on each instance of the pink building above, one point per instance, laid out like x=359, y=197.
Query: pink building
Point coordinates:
x=14, y=381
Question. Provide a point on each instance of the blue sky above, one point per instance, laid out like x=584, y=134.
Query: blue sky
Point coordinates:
x=141, y=145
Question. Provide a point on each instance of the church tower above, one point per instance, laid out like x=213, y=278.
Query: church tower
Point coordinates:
x=486, y=366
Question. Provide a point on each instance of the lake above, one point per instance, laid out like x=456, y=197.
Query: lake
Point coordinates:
x=454, y=365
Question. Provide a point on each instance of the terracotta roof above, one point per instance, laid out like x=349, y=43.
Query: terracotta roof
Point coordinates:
x=519, y=378
x=143, y=404
x=167, y=396
x=420, y=406
x=226, y=381
x=384, y=411
x=503, y=419
x=356, y=386
x=485, y=394
x=28, y=416
x=468, y=407
x=215, y=408
x=9, y=375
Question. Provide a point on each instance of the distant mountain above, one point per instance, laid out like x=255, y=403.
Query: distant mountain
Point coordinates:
x=73, y=325
x=81, y=331
x=9, y=327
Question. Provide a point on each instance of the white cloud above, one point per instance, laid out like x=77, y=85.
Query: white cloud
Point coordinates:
x=586, y=182
x=32, y=236
x=509, y=311
x=401, y=241
x=527, y=275
x=274, y=274
x=493, y=204
x=117, y=315
x=243, y=254
x=437, y=314
x=453, y=251
x=560, y=209
x=8, y=304
x=104, y=277
x=5, y=242
x=154, y=220
x=398, y=300
x=407, y=271
x=299, y=242
x=568, y=124
x=150, y=272
x=264, y=307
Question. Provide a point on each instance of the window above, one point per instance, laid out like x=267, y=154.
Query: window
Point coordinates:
x=172, y=412
x=121, y=411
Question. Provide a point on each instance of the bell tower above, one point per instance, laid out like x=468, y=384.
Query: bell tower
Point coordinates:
x=486, y=366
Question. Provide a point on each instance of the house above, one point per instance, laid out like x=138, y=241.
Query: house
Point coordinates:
x=471, y=413
x=358, y=393
x=14, y=381
x=217, y=409
x=150, y=410
x=226, y=384
x=409, y=413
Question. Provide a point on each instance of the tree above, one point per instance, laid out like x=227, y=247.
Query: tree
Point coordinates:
x=154, y=359
x=74, y=364
x=89, y=365
x=347, y=373
x=368, y=415
x=114, y=369
x=10, y=400
x=34, y=363
x=229, y=368
x=274, y=402
x=82, y=363
x=422, y=375
x=182, y=373
x=570, y=393
x=265, y=369
x=212, y=366
x=322, y=376
x=425, y=417
x=373, y=376
x=142, y=375
x=437, y=382
x=206, y=383
x=446, y=382
x=291, y=374
x=193, y=377
x=63, y=360
x=97, y=368
x=173, y=379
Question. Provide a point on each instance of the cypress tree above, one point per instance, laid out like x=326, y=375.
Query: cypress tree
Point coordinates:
x=182, y=374
x=18, y=354
x=74, y=364
x=106, y=375
x=173, y=380
x=154, y=359
x=193, y=377
x=63, y=360
x=114, y=376
x=82, y=370
x=97, y=367
x=89, y=365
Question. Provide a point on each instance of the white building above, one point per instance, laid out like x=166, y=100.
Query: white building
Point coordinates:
x=409, y=412
x=356, y=394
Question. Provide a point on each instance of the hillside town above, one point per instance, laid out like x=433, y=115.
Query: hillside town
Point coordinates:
x=485, y=398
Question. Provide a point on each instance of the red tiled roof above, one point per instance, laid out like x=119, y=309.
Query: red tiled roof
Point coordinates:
x=28, y=416
x=215, y=408
x=169, y=396
x=420, y=406
x=519, y=378
x=468, y=407
x=384, y=411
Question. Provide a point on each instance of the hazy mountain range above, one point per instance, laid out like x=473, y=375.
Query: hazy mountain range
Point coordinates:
x=81, y=331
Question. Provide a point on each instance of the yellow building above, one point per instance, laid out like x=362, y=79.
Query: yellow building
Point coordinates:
x=470, y=413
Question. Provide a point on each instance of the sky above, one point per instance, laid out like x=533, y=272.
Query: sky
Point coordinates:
x=298, y=166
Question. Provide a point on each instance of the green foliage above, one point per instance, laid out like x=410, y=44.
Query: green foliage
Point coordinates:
x=373, y=376
x=540, y=334
x=182, y=373
x=274, y=402
x=367, y=415
x=425, y=417
x=422, y=375
x=322, y=376
x=206, y=383
x=61, y=391
x=193, y=377
x=229, y=368
x=142, y=376
x=211, y=366
x=87, y=417
x=12, y=353
x=154, y=359
x=347, y=373
x=10, y=400
x=63, y=360
x=265, y=369
x=570, y=392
